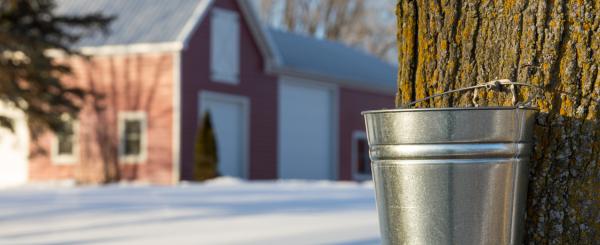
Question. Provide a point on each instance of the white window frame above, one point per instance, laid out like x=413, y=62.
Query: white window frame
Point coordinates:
x=358, y=135
x=61, y=159
x=133, y=115
x=231, y=77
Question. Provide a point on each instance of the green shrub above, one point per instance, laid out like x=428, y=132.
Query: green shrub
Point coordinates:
x=205, y=153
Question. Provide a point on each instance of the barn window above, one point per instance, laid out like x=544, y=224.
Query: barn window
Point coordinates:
x=132, y=136
x=65, y=143
x=225, y=46
x=360, y=156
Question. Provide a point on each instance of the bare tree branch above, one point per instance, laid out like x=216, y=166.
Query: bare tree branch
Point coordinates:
x=368, y=26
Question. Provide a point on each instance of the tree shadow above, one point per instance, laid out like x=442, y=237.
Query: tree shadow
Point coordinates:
x=563, y=184
x=196, y=204
x=100, y=240
x=367, y=241
x=120, y=83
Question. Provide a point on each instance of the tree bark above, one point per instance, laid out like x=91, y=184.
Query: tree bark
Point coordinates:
x=450, y=44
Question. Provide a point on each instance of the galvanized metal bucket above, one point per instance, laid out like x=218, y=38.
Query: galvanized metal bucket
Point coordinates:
x=450, y=175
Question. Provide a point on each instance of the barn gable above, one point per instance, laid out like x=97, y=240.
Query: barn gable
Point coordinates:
x=152, y=26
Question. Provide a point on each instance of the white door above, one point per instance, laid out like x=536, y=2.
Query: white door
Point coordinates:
x=229, y=116
x=305, y=131
x=14, y=149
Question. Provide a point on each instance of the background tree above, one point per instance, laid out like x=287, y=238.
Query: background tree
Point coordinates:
x=29, y=79
x=205, y=153
x=359, y=23
x=553, y=44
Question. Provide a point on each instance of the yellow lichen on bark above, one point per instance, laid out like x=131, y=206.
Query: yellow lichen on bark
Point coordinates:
x=553, y=44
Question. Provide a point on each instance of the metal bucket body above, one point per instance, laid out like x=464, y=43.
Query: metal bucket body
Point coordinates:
x=451, y=175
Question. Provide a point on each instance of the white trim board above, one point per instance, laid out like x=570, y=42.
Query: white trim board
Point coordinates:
x=145, y=48
x=176, y=130
x=192, y=25
x=204, y=96
x=262, y=37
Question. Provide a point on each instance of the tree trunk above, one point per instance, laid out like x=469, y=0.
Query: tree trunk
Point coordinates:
x=445, y=45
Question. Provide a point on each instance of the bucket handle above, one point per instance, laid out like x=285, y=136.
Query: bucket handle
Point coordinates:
x=496, y=85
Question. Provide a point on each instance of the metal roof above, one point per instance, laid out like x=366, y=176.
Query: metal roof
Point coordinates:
x=332, y=59
x=172, y=21
x=137, y=21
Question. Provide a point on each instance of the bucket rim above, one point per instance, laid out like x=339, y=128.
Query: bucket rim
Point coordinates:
x=450, y=109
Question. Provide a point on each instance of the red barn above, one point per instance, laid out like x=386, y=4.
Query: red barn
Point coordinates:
x=282, y=105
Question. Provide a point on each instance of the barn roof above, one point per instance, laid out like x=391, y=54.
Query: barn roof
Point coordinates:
x=332, y=59
x=171, y=23
x=137, y=21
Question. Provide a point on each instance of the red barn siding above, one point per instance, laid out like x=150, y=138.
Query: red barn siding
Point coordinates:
x=130, y=83
x=259, y=88
x=352, y=103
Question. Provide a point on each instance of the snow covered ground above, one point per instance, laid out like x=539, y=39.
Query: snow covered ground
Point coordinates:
x=224, y=211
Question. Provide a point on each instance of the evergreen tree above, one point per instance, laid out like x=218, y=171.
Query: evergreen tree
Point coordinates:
x=205, y=154
x=29, y=77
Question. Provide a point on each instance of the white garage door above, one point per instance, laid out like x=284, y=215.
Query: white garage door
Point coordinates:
x=14, y=149
x=230, y=121
x=306, y=131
